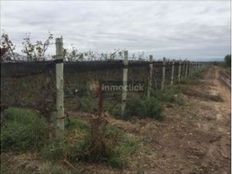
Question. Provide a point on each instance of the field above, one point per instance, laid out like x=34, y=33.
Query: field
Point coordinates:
x=106, y=87
x=193, y=137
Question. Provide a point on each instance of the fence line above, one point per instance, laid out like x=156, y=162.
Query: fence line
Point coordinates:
x=156, y=74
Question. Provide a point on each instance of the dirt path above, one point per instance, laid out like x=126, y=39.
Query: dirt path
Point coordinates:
x=220, y=149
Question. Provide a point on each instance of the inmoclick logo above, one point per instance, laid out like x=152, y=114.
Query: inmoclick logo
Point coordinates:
x=115, y=86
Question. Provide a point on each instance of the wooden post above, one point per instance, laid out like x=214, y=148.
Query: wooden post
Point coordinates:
x=179, y=71
x=172, y=76
x=150, y=77
x=59, y=88
x=163, y=74
x=124, y=87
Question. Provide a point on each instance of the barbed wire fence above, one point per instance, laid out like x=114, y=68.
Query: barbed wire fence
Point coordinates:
x=35, y=84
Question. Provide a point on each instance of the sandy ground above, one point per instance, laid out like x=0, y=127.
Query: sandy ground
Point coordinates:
x=194, y=138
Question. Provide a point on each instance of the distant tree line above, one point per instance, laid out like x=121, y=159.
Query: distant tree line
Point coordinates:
x=36, y=51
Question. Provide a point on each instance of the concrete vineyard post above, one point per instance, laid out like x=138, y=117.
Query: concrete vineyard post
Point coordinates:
x=59, y=88
x=190, y=66
x=124, y=87
x=194, y=67
x=179, y=71
x=186, y=69
x=150, y=76
x=163, y=74
x=190, y=69
x=172, y=75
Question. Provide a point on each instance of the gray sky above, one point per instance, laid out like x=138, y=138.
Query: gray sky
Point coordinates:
x=174, y=29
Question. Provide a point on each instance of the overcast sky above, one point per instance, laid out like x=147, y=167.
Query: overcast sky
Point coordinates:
x=174, y=29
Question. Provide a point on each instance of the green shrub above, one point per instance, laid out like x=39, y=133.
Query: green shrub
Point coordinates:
x=75, y=123
x=88, y=104
x=55, y=150
x=108, y=149
x=113, y=107
x=170, y=94
x=128, y=145
x=116, y=160
x=96, y=151
x=166, y=95
x=134, y=106
x=137, y=106
x=109, y=145
x=122, y=151
x=152, y=109
x=116, y=110
x=76, y=130
x=23, y=129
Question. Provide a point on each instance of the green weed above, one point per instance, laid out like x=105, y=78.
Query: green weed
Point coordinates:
x=23, y=129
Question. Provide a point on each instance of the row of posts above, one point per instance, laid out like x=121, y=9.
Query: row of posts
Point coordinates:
x=188, y=67
x=59, y=118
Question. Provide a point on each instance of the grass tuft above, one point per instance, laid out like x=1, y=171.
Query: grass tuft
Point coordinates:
x=105, y=144
x=137, y=106
x=23, y=129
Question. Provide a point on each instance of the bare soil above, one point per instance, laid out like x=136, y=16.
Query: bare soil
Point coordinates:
x=194, y=138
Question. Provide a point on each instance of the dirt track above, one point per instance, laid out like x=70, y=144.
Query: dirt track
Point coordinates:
x=213, y=125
